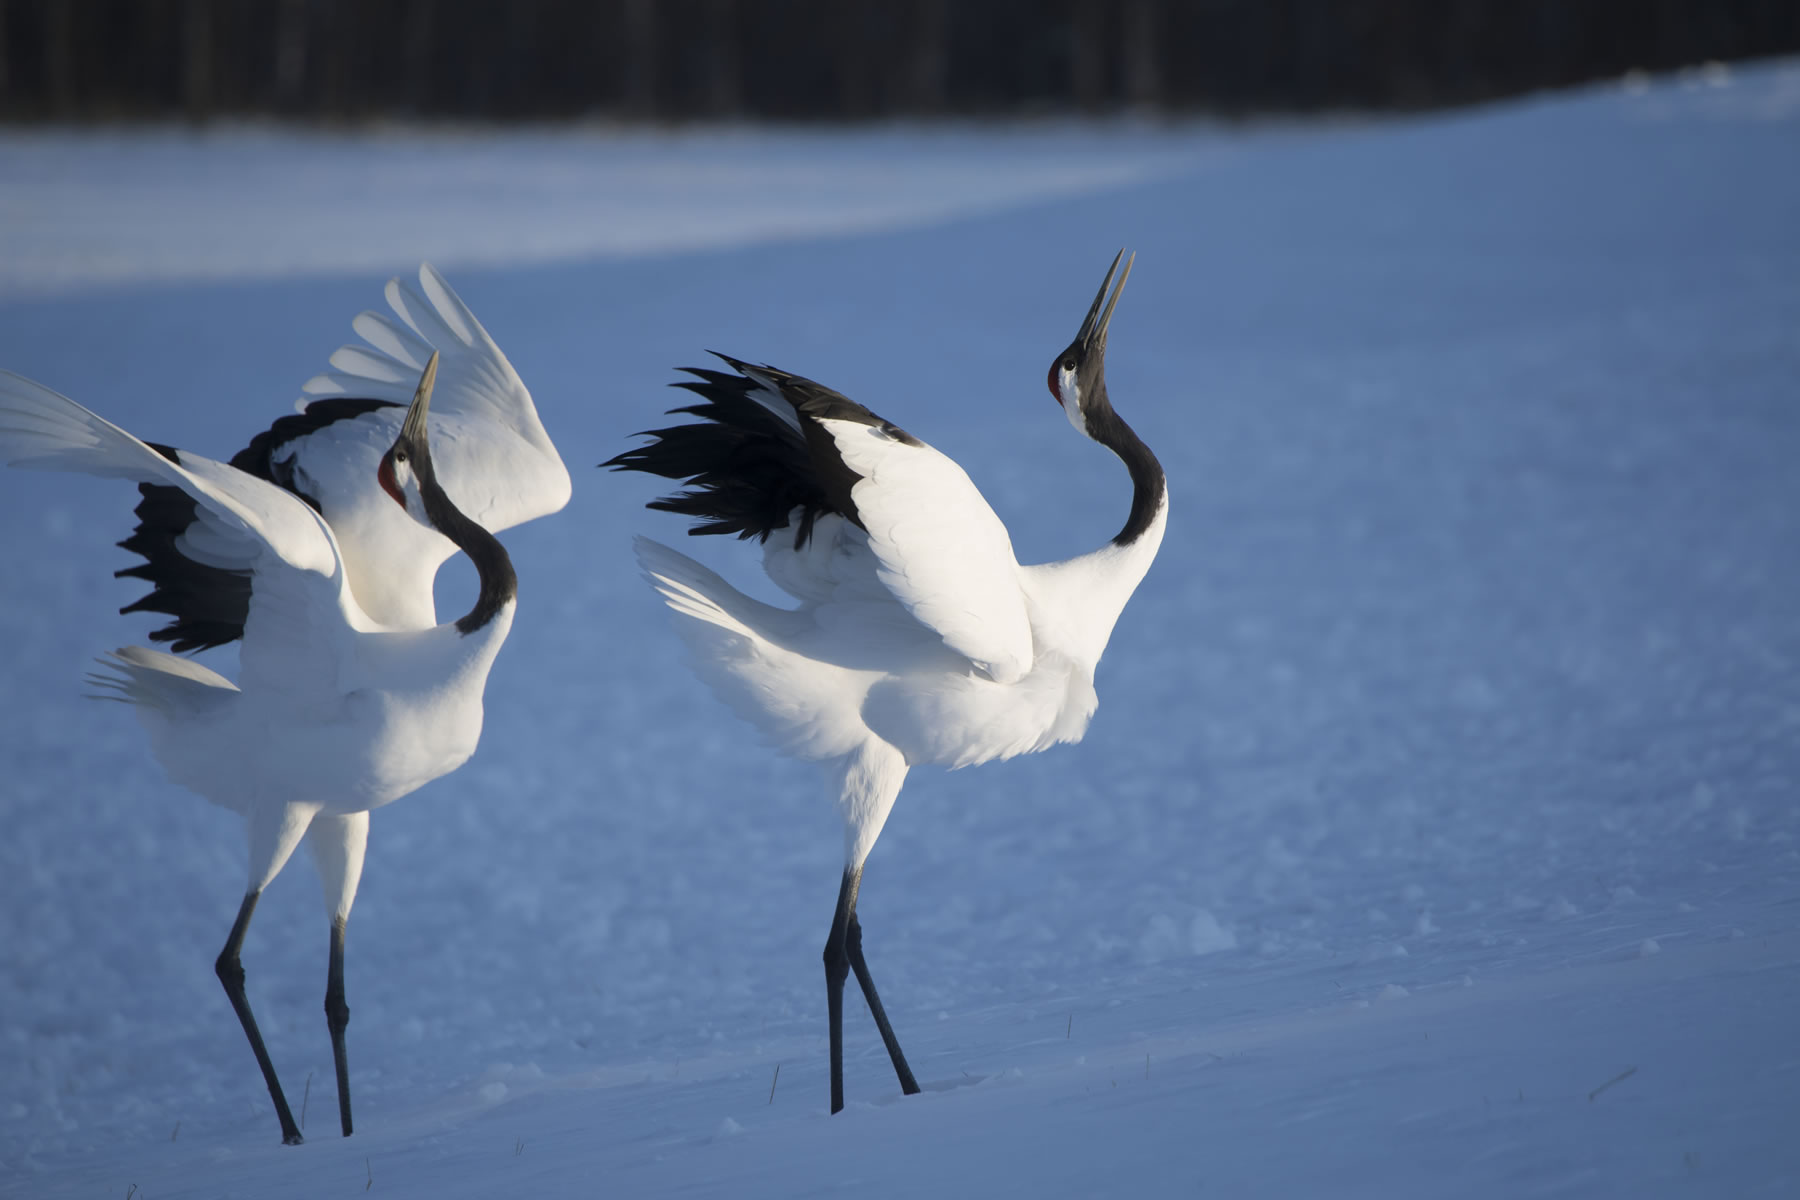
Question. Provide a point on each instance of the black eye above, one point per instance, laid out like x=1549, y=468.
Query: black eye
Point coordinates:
x=1068, y=364
x=399, y=455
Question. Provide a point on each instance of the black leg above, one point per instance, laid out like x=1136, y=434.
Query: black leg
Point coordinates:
x=337, y=1017
x=843, y=953
x=837, y=969
x=908, y=1085
x=230, y=970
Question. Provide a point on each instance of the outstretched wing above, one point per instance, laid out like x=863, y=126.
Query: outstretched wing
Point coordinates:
x=498, y=463
x=938, y=548
x=302, y=617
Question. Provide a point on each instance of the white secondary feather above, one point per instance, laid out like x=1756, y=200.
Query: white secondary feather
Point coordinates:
x=938, y=547
x=491, y=451
x=942, y=552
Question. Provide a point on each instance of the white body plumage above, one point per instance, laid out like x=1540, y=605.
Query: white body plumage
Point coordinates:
x=853, y=679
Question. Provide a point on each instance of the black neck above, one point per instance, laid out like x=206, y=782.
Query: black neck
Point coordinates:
x=1147, y=484
x=499, y=583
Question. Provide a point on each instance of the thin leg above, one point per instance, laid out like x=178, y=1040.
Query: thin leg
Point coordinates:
x=843, y=953
x=908, y=1085
x=837, y=969
x=337, y=843
x=230, y=970
x=337, y=1017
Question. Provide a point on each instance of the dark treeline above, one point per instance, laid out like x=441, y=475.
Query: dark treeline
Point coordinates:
x=834, y=59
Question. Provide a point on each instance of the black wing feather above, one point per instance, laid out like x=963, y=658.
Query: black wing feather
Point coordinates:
x=744, y=468
x=209, y=604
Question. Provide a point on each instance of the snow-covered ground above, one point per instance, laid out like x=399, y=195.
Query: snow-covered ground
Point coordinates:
x=1437, y=831
x=251, y=202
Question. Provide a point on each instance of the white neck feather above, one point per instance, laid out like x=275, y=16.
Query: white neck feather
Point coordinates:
x=1075, y=603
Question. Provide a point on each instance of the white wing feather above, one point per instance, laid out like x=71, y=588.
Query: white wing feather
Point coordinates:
x=501, y=467
x=302, y=615
x=941, y=550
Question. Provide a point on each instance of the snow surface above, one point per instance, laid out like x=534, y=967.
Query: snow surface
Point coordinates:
x=1437, y=831
x=254, y=202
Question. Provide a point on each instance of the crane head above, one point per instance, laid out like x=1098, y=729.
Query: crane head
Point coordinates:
x=405, y=469
x=1077, y=376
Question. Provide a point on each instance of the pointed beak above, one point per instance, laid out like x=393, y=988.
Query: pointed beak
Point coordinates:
x=1092, y=337
x=414, y=427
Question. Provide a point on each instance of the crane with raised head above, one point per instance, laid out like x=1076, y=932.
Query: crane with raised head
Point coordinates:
x=919, y=637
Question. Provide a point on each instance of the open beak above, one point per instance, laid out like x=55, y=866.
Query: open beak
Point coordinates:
x=1092, y=337
x=414, y=427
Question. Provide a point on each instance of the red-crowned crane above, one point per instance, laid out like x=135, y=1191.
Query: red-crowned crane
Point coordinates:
x=334, y=712
x=497, y=463
x=919, y=637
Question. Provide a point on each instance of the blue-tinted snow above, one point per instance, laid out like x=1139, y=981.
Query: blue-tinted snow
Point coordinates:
x=1447, y=765
x=247, y=202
